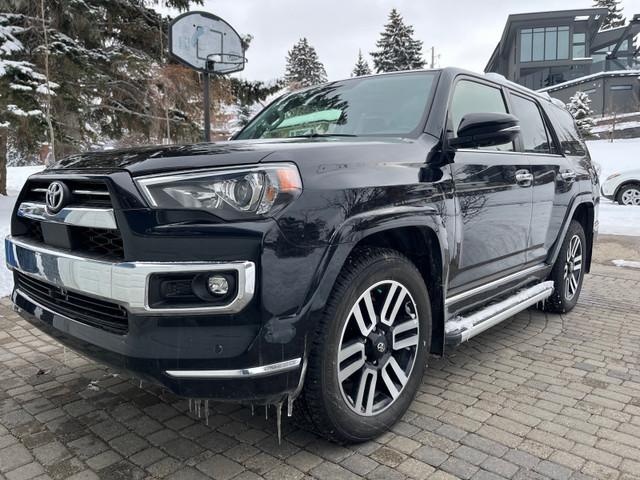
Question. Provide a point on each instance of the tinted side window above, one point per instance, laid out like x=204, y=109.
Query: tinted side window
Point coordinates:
x=564, y=125
x=533, y=131
x=472, y=97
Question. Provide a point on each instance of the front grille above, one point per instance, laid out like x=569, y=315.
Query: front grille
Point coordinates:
x=86, y=193
x=101, y=241
x=96, y=241
x=82, y=308
x=34, y=230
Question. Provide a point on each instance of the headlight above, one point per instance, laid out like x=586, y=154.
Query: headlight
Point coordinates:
x=612, y=176
x=231, y=194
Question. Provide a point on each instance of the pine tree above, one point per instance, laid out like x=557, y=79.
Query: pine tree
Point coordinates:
x=397, y=49
x=362, y=67
x=303, y=66
x=101, y=59
x=579, y=108
x=249, y=97
x=614, y=18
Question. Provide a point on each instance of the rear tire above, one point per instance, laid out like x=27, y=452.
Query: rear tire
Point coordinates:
x=568, y=271
x=629, y=195
x=370, y=348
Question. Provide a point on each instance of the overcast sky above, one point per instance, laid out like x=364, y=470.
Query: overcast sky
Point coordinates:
x=463, y=32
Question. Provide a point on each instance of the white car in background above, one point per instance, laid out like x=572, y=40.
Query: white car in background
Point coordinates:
x=623, y=188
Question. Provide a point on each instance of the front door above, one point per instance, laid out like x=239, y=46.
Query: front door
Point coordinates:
x=493, y=188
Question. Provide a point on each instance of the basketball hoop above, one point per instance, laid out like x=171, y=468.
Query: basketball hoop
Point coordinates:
x=207, y=44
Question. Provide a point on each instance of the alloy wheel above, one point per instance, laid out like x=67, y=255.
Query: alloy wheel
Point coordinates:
x=631, y=196
x=573, y=267
x=378, y=348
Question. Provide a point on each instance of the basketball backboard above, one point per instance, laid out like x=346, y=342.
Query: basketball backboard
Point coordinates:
x=206, y=43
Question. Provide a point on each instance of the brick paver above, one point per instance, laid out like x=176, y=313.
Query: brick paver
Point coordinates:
x=538, y=396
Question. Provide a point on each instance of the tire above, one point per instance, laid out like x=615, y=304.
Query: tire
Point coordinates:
x=363, y=373
x=568, y=271
x=629, y=195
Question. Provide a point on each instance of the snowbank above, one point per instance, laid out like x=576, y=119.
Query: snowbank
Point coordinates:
x=626, y=263
x=616, y=157
x=16, y=176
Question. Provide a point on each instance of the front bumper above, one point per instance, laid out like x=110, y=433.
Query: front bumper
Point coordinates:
x=608, y=190
x=125, y=283
x=213, y=352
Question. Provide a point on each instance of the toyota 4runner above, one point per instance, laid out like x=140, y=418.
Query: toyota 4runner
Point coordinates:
x=348, y=231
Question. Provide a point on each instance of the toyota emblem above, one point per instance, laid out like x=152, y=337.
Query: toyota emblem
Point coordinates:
x=381, y=347
x=57, y=196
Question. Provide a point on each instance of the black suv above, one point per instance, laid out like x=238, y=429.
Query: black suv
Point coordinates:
x=348, y=231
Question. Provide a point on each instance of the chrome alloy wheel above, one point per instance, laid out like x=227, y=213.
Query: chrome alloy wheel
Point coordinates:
x=631, y=196
x=378, y=348
x=573, y=267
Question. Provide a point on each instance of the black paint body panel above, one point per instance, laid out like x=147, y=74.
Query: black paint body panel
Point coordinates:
x=485, y=225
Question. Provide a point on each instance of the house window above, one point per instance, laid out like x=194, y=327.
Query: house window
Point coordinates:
x=601, y=54
x=591, y=90
x=549, y=43
x=621, y=87
x=579, y=45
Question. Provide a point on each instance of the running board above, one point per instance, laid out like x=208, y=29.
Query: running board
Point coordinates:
x=461, y=329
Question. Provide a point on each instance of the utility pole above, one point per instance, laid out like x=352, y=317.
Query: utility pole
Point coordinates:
x=432, y=65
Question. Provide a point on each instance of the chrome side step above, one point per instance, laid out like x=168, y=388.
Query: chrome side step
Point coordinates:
x=461, y=329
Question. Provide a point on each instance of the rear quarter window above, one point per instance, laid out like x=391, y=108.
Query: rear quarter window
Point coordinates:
x=535, y=137
x=570, y=141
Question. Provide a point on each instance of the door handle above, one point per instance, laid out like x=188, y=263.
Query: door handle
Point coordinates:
x=524, y=178
x=568, y=175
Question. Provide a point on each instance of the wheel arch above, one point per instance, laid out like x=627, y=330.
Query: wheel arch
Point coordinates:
x=423, y=240
x=583, y=210
x=622, y=185
x=585, y=215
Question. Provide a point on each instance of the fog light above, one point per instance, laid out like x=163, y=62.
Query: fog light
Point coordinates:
x=218, y=285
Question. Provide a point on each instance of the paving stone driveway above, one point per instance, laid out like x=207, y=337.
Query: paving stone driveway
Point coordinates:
x=539, y=396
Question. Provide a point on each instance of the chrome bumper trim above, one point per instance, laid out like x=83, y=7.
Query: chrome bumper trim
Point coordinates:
x=75, y=216
x=270, y=369
x=124, y=283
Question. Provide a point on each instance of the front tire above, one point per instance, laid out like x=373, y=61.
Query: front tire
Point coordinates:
x=568, y=271
x=370, y=348
x=629, y=195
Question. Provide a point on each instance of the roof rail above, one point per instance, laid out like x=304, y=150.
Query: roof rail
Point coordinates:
x=497, y=76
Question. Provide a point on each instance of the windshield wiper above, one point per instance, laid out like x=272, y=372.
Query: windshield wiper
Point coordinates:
x=321, y=135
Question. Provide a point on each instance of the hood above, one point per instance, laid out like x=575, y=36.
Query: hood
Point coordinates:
x=159, y=159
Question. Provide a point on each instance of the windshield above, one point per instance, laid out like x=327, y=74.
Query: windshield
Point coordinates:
x=384, y=105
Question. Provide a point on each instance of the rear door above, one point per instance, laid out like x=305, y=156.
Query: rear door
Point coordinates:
x=554, y=175
x=493, y=195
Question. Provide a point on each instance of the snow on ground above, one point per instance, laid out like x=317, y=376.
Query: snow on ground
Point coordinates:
x=615, y=219
x=16, y=177
x=626, y=263
x=619, y=126
x=616, y=157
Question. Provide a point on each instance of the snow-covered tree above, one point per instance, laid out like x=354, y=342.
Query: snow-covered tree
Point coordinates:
x=304, y=68
x=249, y=97
x=579, y=108
x=614, y=18
x=397, y=48
x=362, y=67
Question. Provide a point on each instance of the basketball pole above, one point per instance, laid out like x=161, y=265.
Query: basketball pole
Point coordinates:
x=207, y=109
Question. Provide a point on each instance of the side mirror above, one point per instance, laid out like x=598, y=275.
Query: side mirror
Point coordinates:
x=486, y=130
